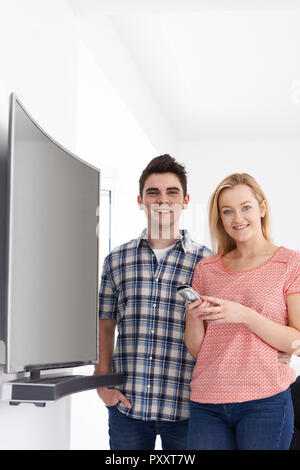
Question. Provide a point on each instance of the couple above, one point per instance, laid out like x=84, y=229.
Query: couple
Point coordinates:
x=206, y=375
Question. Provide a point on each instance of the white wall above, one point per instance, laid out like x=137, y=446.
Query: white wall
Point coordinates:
x=126, y=78
x=108, y=136
x=38, y=51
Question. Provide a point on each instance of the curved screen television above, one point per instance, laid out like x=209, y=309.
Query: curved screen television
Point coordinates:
x=52, y=251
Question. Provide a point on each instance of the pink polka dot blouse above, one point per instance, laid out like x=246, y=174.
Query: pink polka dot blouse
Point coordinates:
x=234, y=364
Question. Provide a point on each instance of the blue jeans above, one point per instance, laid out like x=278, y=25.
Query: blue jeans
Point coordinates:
x=134, y=434
x=265, y=424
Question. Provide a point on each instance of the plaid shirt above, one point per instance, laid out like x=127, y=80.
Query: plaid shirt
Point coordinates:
x=140, y=294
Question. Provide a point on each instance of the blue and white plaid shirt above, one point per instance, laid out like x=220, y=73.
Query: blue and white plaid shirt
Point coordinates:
x=141, y=295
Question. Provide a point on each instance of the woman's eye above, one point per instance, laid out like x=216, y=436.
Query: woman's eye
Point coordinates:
x=226, y=211
x=245, y=208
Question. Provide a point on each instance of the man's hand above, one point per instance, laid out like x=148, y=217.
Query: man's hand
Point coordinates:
x=283, y=357
x=111, y=397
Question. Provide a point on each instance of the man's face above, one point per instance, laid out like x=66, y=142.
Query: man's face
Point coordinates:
x=163, y=202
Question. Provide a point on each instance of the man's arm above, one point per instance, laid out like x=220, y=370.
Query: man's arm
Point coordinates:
x=107, y=328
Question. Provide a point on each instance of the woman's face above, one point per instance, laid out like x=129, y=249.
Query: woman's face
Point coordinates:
x=241, y=213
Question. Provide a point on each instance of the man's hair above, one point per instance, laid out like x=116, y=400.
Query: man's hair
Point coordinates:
x=164, y=164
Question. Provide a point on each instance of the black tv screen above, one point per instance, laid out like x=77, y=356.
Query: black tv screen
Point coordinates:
x=51, y=276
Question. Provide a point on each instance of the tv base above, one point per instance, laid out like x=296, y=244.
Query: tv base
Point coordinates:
x=49, y=388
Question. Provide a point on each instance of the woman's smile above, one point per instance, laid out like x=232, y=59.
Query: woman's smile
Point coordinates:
x=240, y=227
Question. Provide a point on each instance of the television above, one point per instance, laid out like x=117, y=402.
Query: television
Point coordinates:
x=50, y=279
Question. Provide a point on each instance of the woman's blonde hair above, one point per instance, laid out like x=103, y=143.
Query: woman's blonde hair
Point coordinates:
x=221, y=241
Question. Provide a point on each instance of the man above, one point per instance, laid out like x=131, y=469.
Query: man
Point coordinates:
x=138, y=295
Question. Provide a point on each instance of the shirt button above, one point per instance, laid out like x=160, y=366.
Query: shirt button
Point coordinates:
x=154, y=305
x=152, y=331
x=150, y=358
x=156, y=280
x=148, y=386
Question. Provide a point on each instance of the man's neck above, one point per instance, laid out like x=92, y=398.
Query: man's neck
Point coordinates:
x=161, y=243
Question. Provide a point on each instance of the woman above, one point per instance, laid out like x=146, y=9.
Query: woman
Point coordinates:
x=240, y=396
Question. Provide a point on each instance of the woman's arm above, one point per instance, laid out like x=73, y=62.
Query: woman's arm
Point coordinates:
x=194, y=328
x=281, y=337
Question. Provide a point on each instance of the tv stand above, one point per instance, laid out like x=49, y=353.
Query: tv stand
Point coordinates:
x=39, y=389
x=35, y=374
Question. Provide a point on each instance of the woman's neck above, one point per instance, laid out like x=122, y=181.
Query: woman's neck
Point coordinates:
x=252, y=248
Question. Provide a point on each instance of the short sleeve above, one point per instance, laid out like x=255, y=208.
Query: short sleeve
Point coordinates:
x=108, y=294
x=292, y=284
x=196, y=284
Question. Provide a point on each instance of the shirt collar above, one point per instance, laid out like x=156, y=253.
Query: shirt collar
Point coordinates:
x=185, y=240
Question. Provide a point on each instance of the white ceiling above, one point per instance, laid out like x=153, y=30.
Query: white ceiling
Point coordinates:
x=216, y=69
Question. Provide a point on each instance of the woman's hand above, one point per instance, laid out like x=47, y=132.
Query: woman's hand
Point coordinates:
x=192, y=309
x=222, y=311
